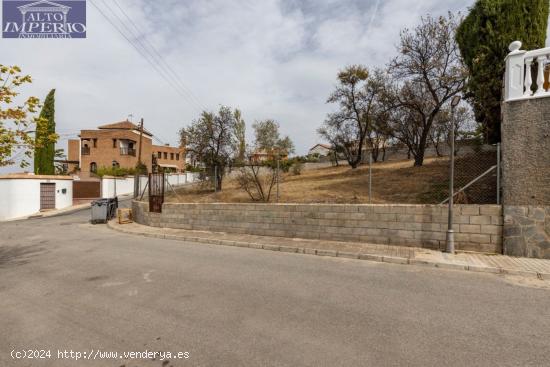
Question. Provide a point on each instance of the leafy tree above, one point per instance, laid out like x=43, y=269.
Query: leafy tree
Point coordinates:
x=483, y=38
x=211, y=140
x=427, y=73
x=44, y=150
x=60, y=168
x=240, y=135
x=16, y=123
x=268, y=138
x=357, y=93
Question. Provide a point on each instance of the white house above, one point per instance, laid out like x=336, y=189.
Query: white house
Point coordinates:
x=24, y=194
x=320, y=149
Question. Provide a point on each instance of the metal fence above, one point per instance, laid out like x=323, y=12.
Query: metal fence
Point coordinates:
x=476, y=178
x=394, y=180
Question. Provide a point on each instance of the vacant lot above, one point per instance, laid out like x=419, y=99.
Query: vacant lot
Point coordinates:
x=392, y=182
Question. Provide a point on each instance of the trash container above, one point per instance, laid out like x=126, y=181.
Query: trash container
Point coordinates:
x=113, y=206
x=100, y=210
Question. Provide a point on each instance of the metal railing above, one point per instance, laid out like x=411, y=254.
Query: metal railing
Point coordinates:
x=127, y=151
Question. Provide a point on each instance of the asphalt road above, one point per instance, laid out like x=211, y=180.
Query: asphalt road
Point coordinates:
x=68, y=285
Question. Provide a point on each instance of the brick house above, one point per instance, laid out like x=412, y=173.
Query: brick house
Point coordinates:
x=263, y=155
x=118, y=144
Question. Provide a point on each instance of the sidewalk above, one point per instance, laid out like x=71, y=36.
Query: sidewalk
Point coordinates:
x=486, y=263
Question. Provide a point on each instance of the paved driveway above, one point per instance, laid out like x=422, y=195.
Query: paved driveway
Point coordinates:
x=68, y=285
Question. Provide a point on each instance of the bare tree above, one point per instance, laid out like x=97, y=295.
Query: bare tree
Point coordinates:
x=211, y=140
x=428, y=72
x=258, y=181
x=356, y=94
x=464, y=125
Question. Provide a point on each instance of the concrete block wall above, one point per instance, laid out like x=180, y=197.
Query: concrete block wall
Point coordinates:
x=478, y=227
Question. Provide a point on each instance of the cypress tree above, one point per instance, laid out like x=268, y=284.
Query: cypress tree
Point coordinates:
x=483, y=38
x=44, y=151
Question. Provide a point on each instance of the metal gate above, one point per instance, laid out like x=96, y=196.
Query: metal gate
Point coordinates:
x=47, y=196
x=86, y=189
x=156, y=192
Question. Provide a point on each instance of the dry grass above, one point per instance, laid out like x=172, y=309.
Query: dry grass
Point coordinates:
x=392, y=182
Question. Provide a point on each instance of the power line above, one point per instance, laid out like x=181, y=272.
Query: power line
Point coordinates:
x=156, y=67
x=159, y=56
x=161, y=62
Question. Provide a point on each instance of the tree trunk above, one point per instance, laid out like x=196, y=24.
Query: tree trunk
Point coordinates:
x=419, y=156
x=375, y=153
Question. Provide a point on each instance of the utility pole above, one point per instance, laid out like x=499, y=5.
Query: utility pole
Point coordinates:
x=140, y=140
x=277, y=178
x=370, y=177
x=450, y=232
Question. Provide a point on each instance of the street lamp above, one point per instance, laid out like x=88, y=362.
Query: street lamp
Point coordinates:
x=450, y=233
x=115, y=163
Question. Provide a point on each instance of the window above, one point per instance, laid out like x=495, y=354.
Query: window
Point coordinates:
x=93, y=167
x=165, y=155
x=177, y=156
x=159, y=155
x=95, y=143
x=171, y=156
x=114, y=143
x=116, y=164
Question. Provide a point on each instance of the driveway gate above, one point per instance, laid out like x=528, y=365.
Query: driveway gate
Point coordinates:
x=156, y=192
x=47, y=196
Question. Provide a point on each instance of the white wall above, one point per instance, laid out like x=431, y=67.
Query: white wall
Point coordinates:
x=21, y=197
x=125, y=185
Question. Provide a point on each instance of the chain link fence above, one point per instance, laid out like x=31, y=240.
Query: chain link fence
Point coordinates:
x=476, y=178
x=393, y=180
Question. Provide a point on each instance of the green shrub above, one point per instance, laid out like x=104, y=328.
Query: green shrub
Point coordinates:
x=297, y=168
x=190, y=168
x=115, y=171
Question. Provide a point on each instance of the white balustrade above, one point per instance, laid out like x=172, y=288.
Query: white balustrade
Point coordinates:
x=518, y=78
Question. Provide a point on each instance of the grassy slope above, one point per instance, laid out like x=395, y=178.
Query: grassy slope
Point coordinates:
x=392, y=182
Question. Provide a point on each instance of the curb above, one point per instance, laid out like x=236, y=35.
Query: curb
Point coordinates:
x=342, y=254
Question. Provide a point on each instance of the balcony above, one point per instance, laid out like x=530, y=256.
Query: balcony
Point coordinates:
x=85, y=151
x=128, y=151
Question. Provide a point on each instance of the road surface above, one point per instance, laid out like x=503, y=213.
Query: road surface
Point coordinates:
x=68, y=286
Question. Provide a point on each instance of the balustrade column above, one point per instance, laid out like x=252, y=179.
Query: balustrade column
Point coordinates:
x=528, y=78
x=540, y=74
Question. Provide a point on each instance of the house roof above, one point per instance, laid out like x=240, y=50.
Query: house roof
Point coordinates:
x=326, y=146
x=123, y=125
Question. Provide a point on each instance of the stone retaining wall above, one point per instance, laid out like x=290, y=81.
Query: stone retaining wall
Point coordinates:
x=527, y=231
x=478, y=227
x=525, y=155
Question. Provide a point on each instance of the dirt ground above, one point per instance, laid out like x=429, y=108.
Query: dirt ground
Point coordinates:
x=392, y=182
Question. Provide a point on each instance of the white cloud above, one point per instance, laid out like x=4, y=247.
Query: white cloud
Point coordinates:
x=272, y=59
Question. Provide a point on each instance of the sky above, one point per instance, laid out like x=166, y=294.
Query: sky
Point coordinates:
x=270, y=58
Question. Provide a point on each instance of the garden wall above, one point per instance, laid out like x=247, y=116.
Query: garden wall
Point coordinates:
x=478, y=227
